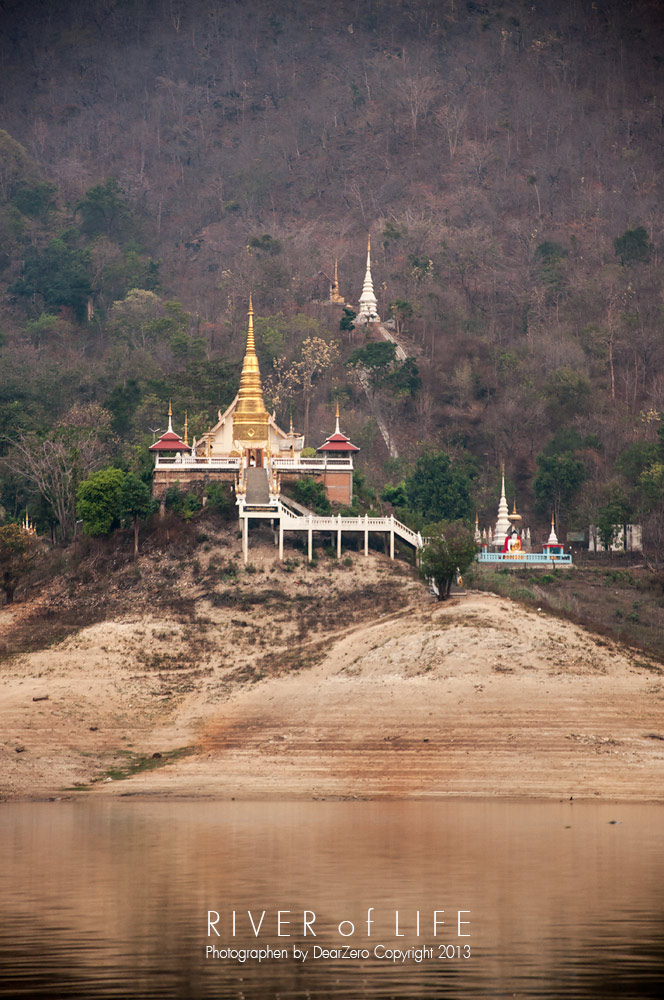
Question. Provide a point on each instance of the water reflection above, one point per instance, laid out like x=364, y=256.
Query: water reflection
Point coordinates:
x=110, y=899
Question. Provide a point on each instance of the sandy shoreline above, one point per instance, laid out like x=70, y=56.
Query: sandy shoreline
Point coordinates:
x=476, y=697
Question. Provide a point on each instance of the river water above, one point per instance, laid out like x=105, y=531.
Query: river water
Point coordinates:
x=110, y=898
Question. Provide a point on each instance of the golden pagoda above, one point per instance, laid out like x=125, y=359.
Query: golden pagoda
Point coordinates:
x=250, y=419
x=335, y=295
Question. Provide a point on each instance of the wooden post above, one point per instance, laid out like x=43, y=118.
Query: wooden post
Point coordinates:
x=392, y=536
x=339, y=537
x=366, y=534
x=310, y=541
x=281, y=540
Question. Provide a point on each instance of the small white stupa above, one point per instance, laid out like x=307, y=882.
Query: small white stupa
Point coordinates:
x=553, y=537
x=503, y=524
x=368, y=307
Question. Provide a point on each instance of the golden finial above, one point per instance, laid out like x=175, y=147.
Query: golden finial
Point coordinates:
x=186, y=441
x=170, y=417
x=337, y=428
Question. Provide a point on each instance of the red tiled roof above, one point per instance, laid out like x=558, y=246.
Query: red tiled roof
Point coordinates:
x=338, y=442
x=170, y=441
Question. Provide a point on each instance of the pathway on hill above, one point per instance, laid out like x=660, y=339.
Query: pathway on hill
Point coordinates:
x=363, y=376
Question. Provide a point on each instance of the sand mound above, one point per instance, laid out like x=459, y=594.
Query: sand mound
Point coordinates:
x=477, y=696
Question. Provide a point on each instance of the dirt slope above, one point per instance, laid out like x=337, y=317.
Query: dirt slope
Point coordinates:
x=474, y=697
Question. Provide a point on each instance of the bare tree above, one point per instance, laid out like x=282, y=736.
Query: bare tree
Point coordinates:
x=55, y=465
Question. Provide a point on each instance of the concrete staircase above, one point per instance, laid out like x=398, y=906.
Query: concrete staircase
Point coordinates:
x=258, y=489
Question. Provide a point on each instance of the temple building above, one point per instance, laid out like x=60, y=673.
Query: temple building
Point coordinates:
x=246, y=437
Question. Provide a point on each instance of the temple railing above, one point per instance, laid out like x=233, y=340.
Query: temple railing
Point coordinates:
x=524, y=558
x=315, y=522
x=312, y=464
x=188, y=463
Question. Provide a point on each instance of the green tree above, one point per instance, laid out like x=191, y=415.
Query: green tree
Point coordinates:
x=185, y=505
x=609, y=521
x=449, y=549
x=377, y=355
x=35, y=200
x=122, y=403
x=312, y=494
x=219, y=498
x=347, y=321
x=633, y=247
x=99, y=501
x=17, y=554
x=559, y=479
x=404, y=379
x=568, y=392
x=16, y=167
x=59, y=274
x=401, y=311
x=135, y=503
x=439, y=490
x=104, y=211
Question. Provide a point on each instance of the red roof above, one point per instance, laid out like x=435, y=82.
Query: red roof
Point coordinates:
x=170, y=441
x=338, y=442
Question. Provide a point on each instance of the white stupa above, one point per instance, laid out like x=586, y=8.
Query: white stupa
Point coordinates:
x=553, y=537
x=368, y=307
x=503, y=524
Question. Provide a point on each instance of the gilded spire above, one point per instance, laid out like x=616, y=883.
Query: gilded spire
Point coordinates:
x=186, y=440
x=250, y=418
x=335, y=295
x=337, y=431
x=170, y=417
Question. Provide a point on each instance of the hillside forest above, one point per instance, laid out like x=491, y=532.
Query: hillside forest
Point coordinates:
x=160, y=160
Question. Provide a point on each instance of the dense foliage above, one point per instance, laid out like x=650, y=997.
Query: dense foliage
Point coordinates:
x=449, y=551
x=506, y=158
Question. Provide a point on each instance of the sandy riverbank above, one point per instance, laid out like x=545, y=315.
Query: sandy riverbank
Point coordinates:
x=474, y=697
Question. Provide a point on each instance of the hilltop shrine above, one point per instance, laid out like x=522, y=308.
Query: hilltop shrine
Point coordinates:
x=248, y=449
x=247, y=437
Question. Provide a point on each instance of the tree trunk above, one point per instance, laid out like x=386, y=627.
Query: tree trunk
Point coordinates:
x=135, y=537
x=307, y=401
